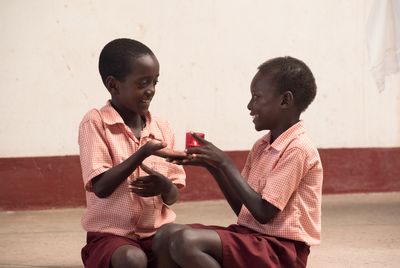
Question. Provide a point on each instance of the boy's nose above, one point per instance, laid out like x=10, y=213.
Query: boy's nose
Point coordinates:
x=249, y=105
x=151, y=90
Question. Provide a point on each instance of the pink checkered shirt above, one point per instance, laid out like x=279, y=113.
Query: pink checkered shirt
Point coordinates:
x=105, y=141
x=287, y=174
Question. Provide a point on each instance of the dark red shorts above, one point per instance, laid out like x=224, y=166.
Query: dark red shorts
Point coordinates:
x=243, y=247
x=100, y=247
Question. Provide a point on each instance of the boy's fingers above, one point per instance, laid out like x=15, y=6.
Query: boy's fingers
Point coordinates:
x=200, y=157
x=195, y=150
x=192, y=160
x=144, y=180
x=150, y=171
x=169, y=153
x=140, y=180
x=147, y=169
x=198, y=138
x=138, y=185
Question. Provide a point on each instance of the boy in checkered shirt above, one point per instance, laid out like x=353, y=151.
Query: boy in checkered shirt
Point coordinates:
x=277, y=197
x=128, y=188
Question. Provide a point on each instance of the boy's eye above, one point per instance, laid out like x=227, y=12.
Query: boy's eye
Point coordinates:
x=146, y=82
x=143, y=83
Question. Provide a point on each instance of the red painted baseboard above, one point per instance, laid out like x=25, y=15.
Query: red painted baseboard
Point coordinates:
x=55, y=182
x=362, y=170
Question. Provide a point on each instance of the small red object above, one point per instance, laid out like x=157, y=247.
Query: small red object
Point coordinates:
x=191, y=141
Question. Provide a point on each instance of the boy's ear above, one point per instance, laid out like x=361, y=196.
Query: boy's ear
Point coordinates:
x=111, y=85
x=287, y=99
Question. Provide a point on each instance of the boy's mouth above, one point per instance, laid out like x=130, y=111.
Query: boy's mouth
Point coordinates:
x=146, y=101
x=144, y=104
x=254, y=116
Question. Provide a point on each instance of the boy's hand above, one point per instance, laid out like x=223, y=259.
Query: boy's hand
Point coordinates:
x=170, y=154
x=158, y=148
x=152, y=185
x=152, y=146
x=205, y=155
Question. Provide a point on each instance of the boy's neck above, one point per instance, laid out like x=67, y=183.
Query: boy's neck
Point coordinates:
x=132, y=120
x=276, y=132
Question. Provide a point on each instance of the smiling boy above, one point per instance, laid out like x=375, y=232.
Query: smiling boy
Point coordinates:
x=126, y=201
x=277, y=196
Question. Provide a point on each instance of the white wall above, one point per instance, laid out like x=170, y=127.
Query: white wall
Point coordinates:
x=209, y=51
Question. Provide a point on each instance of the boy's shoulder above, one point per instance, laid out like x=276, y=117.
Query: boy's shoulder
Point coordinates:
x=91, y=115
x=293, y=138
x=303, y=145
x=303, y=141
x=106, y=114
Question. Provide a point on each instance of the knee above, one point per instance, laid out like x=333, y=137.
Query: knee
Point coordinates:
x=129, y=256
x=162, y=236
x=182, y=243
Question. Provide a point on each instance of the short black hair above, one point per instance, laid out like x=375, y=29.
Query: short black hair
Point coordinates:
x=291, y=74
x=116, y=57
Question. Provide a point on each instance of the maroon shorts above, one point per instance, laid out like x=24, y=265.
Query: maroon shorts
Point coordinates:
x=100, y=247
x=243, y=247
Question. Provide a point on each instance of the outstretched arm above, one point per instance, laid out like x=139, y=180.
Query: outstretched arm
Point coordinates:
x=230, y=193
x=261, y=210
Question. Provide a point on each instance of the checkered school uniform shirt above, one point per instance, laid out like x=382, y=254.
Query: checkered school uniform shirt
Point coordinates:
x=287, y=174
x=105, y=141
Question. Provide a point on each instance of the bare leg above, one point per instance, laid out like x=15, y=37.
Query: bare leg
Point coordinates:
x=128, y=256
x=161, y=245
x=196, y=248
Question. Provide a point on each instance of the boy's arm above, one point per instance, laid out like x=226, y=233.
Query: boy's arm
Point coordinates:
x=262, y=210
x=235, y=189
x=230, y=194
x=171, y=196
x=105, y=184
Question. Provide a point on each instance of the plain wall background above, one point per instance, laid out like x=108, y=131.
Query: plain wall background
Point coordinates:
x=208, y=50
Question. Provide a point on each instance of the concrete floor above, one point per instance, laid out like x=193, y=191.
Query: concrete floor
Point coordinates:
x=360, y=230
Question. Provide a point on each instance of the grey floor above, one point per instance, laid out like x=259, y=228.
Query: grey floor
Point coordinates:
x=361, y=230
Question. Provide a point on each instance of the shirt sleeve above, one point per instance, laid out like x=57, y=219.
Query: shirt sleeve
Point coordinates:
x=285, y=178
x=94, y=154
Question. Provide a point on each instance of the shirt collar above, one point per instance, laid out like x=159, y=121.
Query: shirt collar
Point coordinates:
x=112, y=117
x=286, y=137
